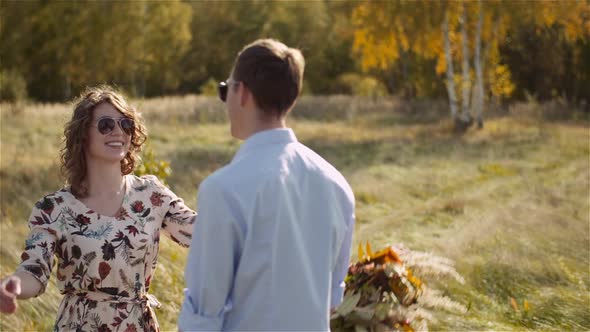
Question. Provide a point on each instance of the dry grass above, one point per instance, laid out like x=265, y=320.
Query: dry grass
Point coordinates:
x=508, y=203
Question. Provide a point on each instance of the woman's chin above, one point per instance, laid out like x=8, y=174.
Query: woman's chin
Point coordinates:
x=114, y=158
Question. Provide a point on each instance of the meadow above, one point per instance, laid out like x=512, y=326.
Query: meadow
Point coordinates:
x=509, y=203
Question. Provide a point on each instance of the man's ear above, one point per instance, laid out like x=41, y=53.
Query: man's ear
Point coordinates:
x=244, y=93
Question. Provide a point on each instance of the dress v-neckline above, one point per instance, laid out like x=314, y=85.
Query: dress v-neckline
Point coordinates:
x=89, y=210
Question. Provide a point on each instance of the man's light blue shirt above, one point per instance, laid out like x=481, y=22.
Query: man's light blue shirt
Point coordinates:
x=271, y=244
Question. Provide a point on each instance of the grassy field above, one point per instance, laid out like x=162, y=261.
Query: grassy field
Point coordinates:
x=508, y=203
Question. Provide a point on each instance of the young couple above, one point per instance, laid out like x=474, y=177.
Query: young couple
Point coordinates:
x=269, y=249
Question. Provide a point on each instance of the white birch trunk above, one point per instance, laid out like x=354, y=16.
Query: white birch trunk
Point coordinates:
x=465, y=114
x=450, y=70
x=479, y=94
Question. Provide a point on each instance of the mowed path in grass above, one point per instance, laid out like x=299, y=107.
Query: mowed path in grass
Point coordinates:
x=508, y=203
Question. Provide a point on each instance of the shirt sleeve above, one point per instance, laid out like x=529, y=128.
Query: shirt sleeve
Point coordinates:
x=38, y=255
x=341, y=268
x=179, y=218
x=212, y=261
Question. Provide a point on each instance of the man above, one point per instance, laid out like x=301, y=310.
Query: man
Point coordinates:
x=271, y=246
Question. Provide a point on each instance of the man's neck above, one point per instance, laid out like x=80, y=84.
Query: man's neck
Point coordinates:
x=267, y=124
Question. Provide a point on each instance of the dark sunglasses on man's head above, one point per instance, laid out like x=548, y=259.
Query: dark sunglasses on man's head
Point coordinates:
x=107, y=124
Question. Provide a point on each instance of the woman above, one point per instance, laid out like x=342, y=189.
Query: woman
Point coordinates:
x=104, y=227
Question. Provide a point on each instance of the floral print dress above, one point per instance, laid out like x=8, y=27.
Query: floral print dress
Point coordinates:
x=105, y=264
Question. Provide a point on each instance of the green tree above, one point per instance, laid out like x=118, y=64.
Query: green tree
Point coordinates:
x=318, y=28
x=219, y=30
x=62, y=46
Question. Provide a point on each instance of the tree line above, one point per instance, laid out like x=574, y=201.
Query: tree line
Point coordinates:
x=481, y=50
x=469, y=52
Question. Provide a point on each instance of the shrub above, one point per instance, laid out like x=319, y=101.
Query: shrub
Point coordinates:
x=359, y=85
x=209, y=88
x=153, y=166
x=13, y=87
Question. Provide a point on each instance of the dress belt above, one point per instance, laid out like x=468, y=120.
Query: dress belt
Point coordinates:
x=143, y=299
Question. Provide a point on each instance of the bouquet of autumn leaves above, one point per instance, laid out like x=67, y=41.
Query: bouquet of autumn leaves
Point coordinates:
x=385, y=291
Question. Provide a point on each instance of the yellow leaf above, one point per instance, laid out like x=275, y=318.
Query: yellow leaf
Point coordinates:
x=369, y=251
x=527, y=307
x=407, y=328
x=413, y=279
x=360, y=252
x=387, y=255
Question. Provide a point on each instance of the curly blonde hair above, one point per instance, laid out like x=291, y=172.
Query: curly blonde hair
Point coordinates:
x=73, y=152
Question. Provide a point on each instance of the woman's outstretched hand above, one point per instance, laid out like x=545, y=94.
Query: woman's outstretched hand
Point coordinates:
x=9, y=290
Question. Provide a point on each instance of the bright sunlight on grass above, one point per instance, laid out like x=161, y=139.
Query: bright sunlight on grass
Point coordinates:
x=508, y=203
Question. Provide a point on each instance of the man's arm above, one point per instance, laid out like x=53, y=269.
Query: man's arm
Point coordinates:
x=212, y=260
x=341, y=269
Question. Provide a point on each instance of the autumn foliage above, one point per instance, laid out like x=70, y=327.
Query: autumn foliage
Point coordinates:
x=384, y=293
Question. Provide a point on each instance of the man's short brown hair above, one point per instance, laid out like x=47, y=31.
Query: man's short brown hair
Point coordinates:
x=273, y=73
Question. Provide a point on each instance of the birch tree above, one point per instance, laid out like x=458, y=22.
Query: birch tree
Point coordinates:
x=450, y=83
x=452, y=32
x=478, y=63
x=465, y=117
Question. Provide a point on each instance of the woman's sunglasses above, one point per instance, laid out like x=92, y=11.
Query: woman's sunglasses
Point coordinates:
x=107, y=124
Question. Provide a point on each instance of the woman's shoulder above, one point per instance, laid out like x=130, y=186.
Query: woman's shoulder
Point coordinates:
x=144, y=182
x=47, y=209
x=143, y=179
x=49, y=201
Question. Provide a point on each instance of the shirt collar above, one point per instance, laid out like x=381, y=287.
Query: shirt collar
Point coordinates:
x=265, y=138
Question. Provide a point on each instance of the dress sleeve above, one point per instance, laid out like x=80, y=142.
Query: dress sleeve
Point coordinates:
x=37, y=257
x=178, y=219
